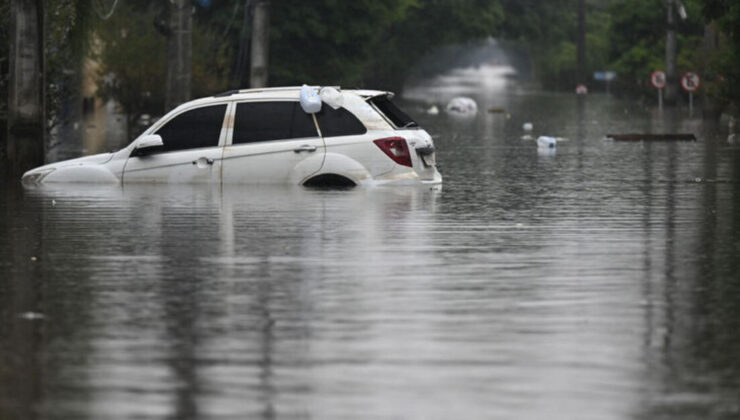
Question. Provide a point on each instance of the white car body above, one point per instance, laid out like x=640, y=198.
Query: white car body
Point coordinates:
x=327, y=146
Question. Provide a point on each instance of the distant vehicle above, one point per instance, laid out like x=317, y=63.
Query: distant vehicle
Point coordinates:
x=263, y=136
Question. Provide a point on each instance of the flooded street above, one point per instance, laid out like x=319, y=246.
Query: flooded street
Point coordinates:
x=597, y=281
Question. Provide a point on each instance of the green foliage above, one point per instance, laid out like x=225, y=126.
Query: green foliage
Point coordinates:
x=374, y=43
x=67, y=35
x=212, y=63
x=548, y=29
x=367, y=42
x=132, y=65
x=637, y=36
x=4, y=52
x=69, y=26
x=725, y=61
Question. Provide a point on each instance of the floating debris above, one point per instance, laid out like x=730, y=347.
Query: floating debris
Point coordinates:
x=527, y=126
x=546, y=142
x=433, y=110
x=332, y=97
x=462, y=106
x=651, y=137
x=310, y=100
x=32, y=316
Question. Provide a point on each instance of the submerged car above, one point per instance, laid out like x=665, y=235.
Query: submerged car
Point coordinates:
x=268, y=136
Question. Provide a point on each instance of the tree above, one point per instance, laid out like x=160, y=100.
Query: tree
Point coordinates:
x=367, y=42
x=4, y=44
x=26, y=105
x=260, y=44
x=671, y=52
x=581, y=39
x=179, y=53
x=239, y=78
x=132, y=58
x=723, y=84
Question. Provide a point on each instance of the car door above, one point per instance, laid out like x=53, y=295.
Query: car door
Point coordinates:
x=191, y=153
x=273, y=142
x=345, y=135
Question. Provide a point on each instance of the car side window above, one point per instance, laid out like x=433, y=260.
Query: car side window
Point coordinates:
x=200, y=127
x=339, y=122
x=264, y=121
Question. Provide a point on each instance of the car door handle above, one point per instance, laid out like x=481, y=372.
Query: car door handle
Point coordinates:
x=305, y=148
x=206, y=160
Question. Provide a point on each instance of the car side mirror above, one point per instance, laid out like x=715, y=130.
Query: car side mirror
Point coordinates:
x=147, y=142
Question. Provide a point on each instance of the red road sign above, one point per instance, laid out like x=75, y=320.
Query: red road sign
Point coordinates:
x=690, y=82
x=657, y=79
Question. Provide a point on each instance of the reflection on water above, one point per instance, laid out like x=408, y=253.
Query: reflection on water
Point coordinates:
x=599, y=282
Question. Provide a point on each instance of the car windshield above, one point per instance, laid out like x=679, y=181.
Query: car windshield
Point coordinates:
x=399, y=118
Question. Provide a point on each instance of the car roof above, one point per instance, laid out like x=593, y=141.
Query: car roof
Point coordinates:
x=288, y=92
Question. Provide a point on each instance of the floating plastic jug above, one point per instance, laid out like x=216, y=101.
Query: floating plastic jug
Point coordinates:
x=545, y=142
x=310, y=100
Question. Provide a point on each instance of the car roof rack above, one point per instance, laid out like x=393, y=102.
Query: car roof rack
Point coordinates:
x=267, y=89
x=227, y=93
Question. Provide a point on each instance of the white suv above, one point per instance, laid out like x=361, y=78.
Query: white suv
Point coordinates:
x=263, y=136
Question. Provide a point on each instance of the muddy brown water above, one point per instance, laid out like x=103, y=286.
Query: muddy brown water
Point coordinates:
x=599, y=281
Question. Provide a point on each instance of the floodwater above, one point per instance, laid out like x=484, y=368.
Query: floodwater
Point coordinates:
x=599, y=281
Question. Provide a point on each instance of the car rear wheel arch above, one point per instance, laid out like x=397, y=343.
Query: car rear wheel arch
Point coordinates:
x=329, y=181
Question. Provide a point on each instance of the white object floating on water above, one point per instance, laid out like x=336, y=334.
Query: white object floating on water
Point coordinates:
x=547, y=153
x=31, y=316
x=332, y=97
x=527, y=126
x=463, y=106
x=546, y=142
x=433, y=110
x=310, y=100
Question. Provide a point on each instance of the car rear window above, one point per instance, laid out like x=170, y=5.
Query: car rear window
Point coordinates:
x=264, y=121
x=200, y=127
x=393, y=113
x=339, y=122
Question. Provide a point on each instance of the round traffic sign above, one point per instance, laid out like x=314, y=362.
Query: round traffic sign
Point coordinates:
x=657, y=79
x=690, y=81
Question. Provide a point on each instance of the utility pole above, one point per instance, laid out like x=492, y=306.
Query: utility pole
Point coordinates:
x=260, y=44
x=671, y=48
x=712, y=110
x=26, y=117
x=179, y=53
x=581, y=76
x=240, y=76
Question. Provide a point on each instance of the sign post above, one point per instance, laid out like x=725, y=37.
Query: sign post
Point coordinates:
x=690, y=82
x=657, y=79
x=605, y=76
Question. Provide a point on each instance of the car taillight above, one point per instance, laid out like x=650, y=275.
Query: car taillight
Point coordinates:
x=396, y=149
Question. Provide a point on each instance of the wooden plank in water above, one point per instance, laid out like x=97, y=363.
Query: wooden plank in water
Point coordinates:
x=652, y=137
